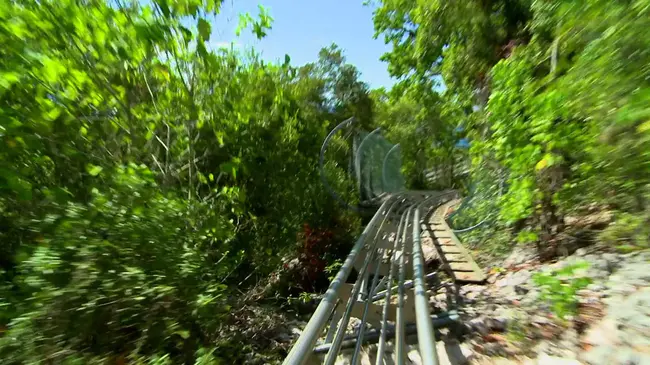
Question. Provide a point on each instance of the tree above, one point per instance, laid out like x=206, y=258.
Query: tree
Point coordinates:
x=143, y=178
x=532, y=81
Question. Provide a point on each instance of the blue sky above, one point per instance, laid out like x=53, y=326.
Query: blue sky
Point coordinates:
x=302, y=27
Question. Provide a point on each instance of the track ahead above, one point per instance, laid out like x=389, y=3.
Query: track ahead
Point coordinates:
x=388, y=252
x=456, y=260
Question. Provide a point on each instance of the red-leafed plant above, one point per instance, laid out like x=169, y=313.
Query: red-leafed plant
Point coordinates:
x=315, y=245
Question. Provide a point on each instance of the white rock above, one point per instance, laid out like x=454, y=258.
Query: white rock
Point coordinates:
x=538, y=319
x=479, y=325
x=603, y=333
x=498, y=323
x=545, y=359
x=596, y=287
x=581, y=252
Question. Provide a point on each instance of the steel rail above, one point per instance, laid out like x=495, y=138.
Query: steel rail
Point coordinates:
x=443, y=320
x=303, y=347
x=364, y=316
x=380, y=284
x=408, y=284
x=426, y=337
x=389, y=289
x=330, y=358
x=400, y=341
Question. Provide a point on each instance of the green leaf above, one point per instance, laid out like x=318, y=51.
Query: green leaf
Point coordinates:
x=164, y=7
x=204, y=29
x=644, y=127
x=187, y=34
x=17, y=184
x=183, y=333
x=93, y=170
x=244, y=20
x=229, y=168
x=8, y=78
x=52, y=114
x=52, y=69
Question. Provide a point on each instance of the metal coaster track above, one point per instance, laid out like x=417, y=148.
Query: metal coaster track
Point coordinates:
x=389, y=249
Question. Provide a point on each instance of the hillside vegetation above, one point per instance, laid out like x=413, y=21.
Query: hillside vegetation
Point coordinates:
x=147, y=181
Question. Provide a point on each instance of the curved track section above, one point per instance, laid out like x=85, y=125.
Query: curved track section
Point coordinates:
x=374, y=165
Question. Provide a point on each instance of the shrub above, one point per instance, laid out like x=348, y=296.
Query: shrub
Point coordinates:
x=628, y=233
x=559, y=288
x=125, y=275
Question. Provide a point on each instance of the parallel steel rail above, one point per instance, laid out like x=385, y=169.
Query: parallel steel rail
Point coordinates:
x=408, y=206
x=393, y=234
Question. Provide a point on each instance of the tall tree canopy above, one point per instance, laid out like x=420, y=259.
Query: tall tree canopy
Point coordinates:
x=553, y=92
x=144, y=177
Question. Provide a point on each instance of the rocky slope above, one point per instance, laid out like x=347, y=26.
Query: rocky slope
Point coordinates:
x=592, y=307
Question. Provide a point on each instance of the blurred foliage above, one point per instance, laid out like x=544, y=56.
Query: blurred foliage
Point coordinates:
x=560, y=287
x=145, y=177
x=554, y=93
x=630, y=232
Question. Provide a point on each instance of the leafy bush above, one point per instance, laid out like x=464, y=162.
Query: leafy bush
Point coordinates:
x=553, y=92
x=559, y=288
x=629, y=232
x=143, y=177
x=129, y=271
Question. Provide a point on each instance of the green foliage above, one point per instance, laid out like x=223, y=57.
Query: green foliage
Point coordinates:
x=553, y=92
x=333, y=268
x=559, y=287
x=629, y=232
x=144, y=177
x=526, y=236
x=424, y=127
x=258, y=27
x=302, y=298
x=489, y=243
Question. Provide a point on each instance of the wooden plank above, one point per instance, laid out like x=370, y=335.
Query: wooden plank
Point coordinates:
x=461, y=266
x=449, y=249
x=445, y=242
x=443, y=234
x=469, y=277
x=456, y=257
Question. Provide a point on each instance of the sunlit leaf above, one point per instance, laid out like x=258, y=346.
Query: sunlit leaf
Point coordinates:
x=94, y=170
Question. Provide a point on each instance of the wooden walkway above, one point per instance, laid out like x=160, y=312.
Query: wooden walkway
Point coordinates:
x=456, y=260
